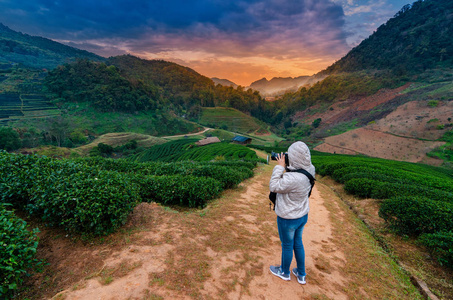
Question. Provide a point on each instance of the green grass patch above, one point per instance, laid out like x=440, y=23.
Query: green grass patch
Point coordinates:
x=232, y=120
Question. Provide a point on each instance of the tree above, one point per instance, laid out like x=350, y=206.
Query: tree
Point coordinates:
x=9, y=139
x=58, y=130
x=316, y=122
x=77, y=137
x=105, y=149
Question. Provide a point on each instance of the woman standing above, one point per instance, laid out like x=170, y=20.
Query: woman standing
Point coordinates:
x=292, y=208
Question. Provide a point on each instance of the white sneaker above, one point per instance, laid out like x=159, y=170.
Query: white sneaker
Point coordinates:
x=300, y=278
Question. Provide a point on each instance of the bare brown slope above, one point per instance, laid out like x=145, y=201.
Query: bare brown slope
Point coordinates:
x=407, y=134
x=348, y=109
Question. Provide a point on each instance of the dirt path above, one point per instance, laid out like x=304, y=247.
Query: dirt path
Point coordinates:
x=187, y=134
x=225, y=250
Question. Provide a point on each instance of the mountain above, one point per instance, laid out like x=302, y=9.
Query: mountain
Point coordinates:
x=417, y=38
x=175, y=80
x=37, y=52
x=224, y=82
x=390, y=97
x=279, y=85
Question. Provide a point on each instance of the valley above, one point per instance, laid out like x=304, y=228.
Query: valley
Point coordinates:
x=120, y=178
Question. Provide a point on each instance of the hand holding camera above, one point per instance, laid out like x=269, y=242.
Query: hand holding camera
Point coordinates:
x=281, y=158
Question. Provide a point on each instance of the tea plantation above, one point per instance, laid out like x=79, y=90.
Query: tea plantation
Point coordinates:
x=182, y=150
x=93, y=196
x=417, y=199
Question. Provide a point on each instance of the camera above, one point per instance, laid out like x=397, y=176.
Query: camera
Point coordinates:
x=274, y=156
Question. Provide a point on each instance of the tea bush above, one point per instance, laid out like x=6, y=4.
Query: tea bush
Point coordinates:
x=415, y=215
x=17, y=252
x=178, y=190
x=418, y=199
x=440, y=244
x=96, y=205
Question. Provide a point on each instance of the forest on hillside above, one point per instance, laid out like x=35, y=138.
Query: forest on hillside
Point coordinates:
x=417, y=38
x=405, y=49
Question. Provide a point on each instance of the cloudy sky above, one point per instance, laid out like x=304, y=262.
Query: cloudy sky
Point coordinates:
x=242, y=41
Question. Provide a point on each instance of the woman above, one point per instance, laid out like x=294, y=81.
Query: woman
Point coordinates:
x=292, y=208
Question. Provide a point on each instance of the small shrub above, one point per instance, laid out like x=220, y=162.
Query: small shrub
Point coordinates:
x=433, y=103
x=362, y=187
x=17, y=252
x=105, y=149
x=440, y=245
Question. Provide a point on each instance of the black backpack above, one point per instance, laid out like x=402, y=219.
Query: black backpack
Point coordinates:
x=273, y=196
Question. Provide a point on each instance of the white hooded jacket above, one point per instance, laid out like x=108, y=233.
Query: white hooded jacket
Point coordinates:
x=292, y=188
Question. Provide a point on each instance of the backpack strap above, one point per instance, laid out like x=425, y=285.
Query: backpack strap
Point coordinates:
x=310, y=177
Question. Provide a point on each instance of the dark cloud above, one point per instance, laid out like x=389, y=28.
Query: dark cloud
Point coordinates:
x=159, y=25
x=283, y=37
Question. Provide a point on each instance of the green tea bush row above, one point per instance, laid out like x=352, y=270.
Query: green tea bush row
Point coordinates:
x=95, y=205
x=178, y=190
x=228, y=177
x=119, y=165
x=164, y=152
x=400, y=171
x=250, y=164
x=229, y=173
x=268, y=149
x=185, y=150
x=212, y=151
x=17, y=252
x=370, y=188
x=416, y=215
x=418, y=198
x=95, y=195
x=440, y=244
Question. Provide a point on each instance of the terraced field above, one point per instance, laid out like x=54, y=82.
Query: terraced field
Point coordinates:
x=19, y=106
x=233, y=120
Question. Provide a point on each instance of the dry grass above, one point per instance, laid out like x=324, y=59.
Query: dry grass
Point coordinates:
x=107, y=275
x=366, y=260
x=403, y=249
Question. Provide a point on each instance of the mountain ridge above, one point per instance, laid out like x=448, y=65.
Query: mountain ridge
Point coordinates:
x=418, y=37
x=280, y=85
x=37, y=52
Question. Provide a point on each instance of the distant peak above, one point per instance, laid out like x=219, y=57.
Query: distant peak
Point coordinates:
x=262, y=80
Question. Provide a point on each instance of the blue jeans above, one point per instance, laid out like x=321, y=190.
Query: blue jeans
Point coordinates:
x=290, y=232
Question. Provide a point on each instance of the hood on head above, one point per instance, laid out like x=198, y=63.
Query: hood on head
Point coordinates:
x=299, y=156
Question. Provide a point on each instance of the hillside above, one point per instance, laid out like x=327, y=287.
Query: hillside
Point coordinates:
x=36, y=52
x=232, y=120
x=419, y=37
x=391, y=96
x=175, y=80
